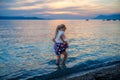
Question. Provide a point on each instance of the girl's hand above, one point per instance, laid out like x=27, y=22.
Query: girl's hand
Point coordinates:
x=65, y=42
x=53, y=40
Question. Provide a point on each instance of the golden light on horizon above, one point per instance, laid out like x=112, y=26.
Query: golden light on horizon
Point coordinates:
x=57, y=12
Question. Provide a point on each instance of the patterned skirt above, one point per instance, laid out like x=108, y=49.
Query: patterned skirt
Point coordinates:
x=60, y=48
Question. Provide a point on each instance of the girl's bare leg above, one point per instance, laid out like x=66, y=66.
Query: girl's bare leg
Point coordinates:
x=64, y=57
x=58, y=59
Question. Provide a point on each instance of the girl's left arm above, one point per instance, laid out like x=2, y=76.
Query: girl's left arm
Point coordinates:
x=54, y=40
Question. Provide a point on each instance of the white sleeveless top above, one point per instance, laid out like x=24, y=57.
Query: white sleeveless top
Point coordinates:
x=58, y=39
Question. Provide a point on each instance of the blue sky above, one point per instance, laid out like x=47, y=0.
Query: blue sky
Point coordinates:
x=70, y=9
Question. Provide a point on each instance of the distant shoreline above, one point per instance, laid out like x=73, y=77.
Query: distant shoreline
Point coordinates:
x=63, y=19
x=113, y=17
x=21, y=18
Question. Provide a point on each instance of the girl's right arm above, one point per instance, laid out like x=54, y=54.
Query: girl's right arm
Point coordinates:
x=61, y=37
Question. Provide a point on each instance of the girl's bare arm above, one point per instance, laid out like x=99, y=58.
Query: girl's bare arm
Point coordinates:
x=61, y=37
x=54, y=40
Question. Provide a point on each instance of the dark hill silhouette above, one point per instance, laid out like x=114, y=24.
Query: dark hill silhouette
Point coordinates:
x=21, y=18
x=113, y=16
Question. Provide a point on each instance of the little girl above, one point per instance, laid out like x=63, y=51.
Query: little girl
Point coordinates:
x=60, y=44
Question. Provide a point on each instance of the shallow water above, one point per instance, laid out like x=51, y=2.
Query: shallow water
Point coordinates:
x=26, y=47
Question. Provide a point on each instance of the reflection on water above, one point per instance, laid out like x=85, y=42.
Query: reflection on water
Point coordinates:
x=26, y=49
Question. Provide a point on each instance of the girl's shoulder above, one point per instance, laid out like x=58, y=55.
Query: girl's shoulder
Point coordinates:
x=61, y=32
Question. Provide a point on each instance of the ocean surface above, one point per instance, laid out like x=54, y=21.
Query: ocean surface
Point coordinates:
x=26, y=47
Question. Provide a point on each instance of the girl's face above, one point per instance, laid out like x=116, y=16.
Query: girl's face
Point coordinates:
x=63, y=29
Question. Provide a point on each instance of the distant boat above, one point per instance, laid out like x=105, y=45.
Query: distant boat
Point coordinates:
x=108, y=19
x=87, y=19
x=114, y=19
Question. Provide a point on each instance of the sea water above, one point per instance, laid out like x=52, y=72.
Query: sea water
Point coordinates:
x=26, y=47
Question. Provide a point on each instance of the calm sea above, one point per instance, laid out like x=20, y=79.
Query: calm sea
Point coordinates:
x=26, y=47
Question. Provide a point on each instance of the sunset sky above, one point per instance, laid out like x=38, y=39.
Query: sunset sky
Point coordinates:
x=61, y=9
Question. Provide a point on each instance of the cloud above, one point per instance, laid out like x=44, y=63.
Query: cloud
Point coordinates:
x=37, y=6
x=64, y=7
x=25, y=1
